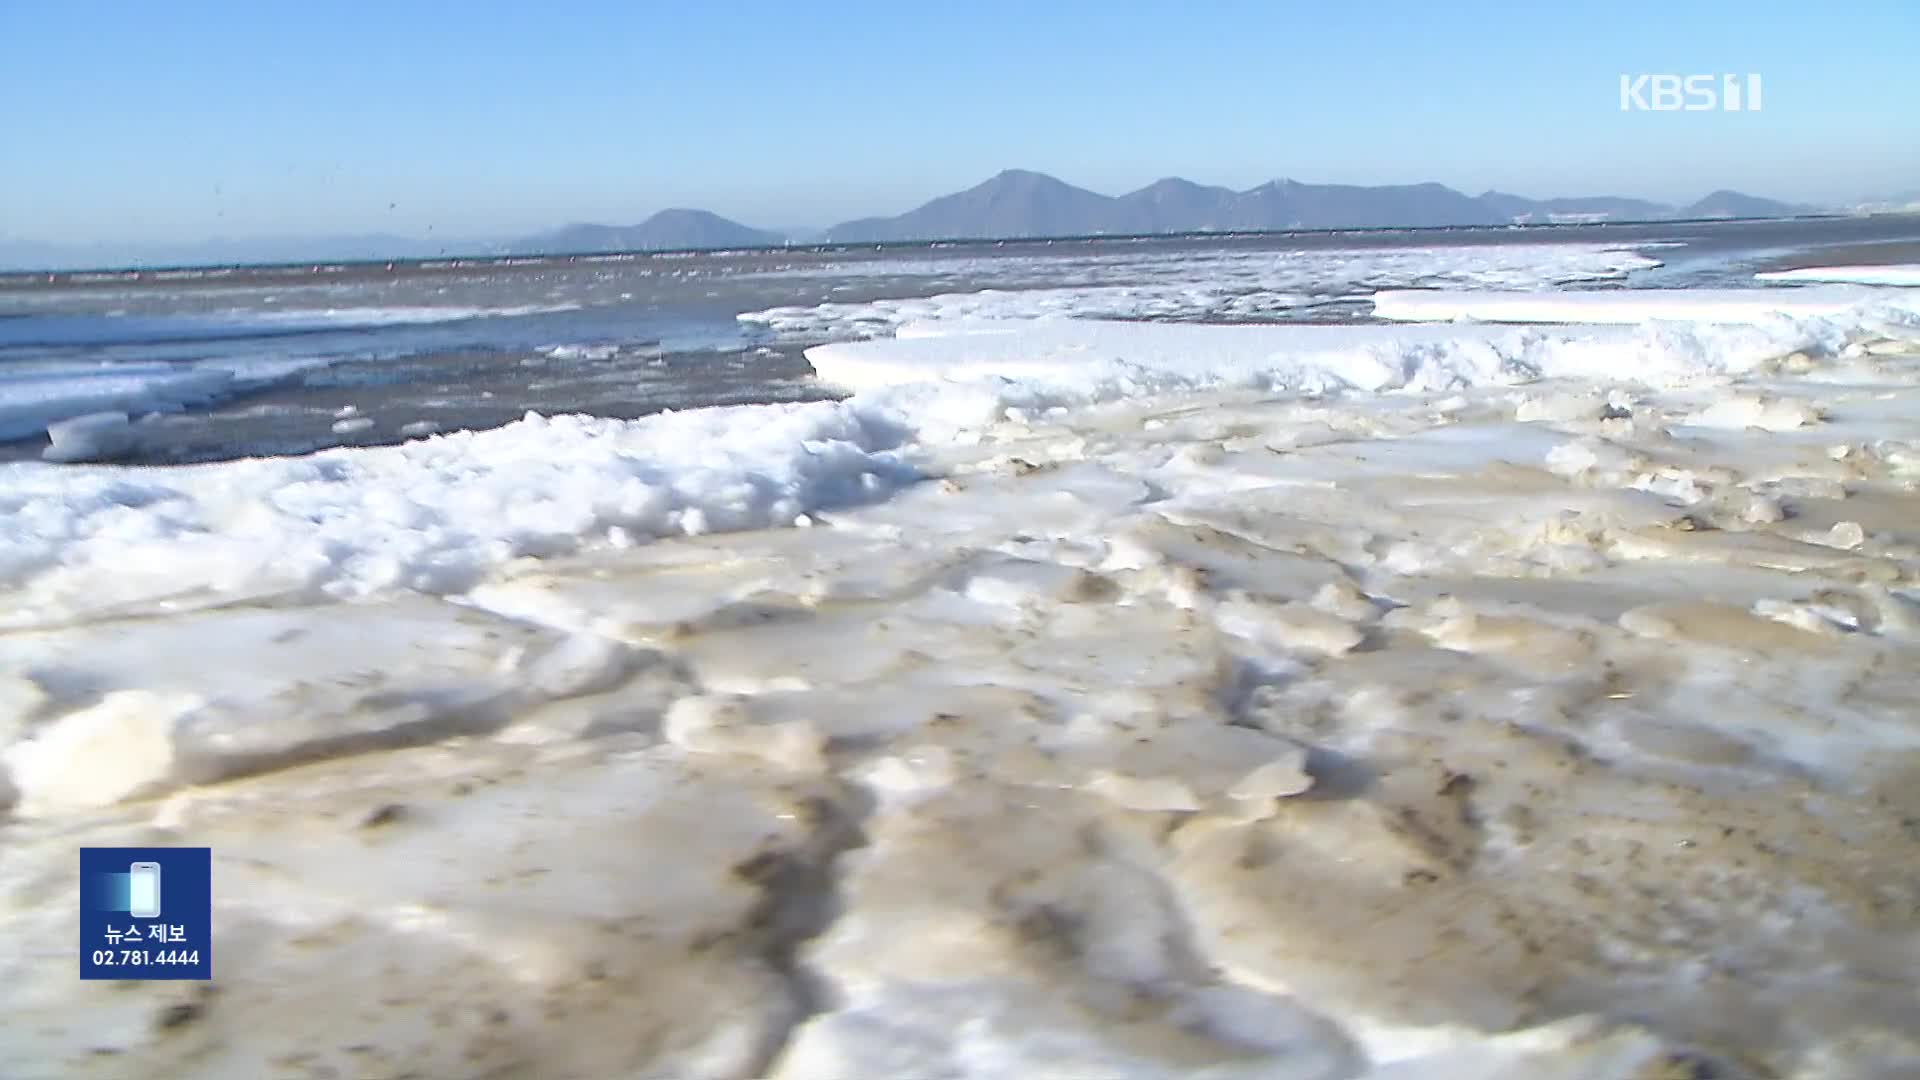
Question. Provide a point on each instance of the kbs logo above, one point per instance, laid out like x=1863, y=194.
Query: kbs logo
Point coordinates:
x=1689, y=93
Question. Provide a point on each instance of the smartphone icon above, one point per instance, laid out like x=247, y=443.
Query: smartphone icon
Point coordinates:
x=143, y=890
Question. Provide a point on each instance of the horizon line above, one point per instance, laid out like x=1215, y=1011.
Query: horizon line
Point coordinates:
x=495, y=258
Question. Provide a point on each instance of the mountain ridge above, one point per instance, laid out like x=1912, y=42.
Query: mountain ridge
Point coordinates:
x=1022, y=204
x=675, y=229
x=1015, y=204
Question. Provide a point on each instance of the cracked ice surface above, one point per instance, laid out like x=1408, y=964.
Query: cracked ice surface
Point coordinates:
x=1560, y=729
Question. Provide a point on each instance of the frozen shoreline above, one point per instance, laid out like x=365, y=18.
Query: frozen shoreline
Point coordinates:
x=1163, y=707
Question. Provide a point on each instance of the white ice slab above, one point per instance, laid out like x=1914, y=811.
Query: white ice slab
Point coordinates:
x=91, y=437
x=1076, y=361
x=29, y=403
x=1624, y=306
x=1907, y=274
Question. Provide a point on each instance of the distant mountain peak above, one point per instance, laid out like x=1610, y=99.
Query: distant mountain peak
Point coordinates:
x=673, y=229
x=1026, y=176
x=1727, y=203
x=682, y=213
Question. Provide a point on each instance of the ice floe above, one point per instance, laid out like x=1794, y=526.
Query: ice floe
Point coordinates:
x=1078, y=361
x=36, y=394
x=1197, y=285
x=31, y=401
x=90, y=437
x=1138, y=701
x=1631, y=306
x=1889, y=274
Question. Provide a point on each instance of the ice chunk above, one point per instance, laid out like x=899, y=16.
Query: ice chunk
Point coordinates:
x=581, y=664
x=1284, y=776
x=97, y=756
x=1846, y=535
x=1756, y=411
x=92, y=437
x=30, y=402
x=720, y=724
x=1289, y=626
x=581, y=352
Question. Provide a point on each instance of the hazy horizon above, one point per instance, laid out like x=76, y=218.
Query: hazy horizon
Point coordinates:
x=798, y=225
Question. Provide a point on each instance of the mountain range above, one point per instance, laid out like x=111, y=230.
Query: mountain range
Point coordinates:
x=1021, y=204
x=1016, y=204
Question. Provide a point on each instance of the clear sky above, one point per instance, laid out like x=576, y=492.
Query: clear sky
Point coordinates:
x=167, y=122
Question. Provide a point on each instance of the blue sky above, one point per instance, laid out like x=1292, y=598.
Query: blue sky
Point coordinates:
x=168, y=122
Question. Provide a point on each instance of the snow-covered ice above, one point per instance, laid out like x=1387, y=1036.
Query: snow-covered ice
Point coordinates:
x=1186, y=286
x=34, y=395
x=1630, y=306
x=1890, y=274
x=1449, y=701
x=1074, y=361
x=32, y=401
x=437, y=514
x=434, y=514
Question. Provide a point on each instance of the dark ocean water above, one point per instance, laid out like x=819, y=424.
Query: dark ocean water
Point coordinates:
x=244, y=361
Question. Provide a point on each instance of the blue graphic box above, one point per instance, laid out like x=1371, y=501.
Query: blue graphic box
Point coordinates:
x=146, y=913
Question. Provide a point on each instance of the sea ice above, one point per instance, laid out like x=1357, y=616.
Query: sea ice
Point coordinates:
x=1890, y=274
x=1189, y=286
x=1074, y=362
x=90, y=437
x=33, y=399
x=1122, y=712
x=29, y=403
x=1630, y=306
x=432, y=515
